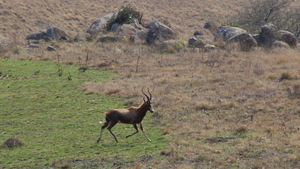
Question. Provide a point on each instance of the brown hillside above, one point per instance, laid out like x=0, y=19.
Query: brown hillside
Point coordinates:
x=24, y=17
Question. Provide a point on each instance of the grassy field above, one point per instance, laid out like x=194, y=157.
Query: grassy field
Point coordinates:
x=59, y=123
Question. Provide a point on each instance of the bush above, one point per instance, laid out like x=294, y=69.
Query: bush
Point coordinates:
x=126, y=15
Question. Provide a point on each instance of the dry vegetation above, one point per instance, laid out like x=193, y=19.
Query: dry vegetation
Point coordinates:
x=249, y=99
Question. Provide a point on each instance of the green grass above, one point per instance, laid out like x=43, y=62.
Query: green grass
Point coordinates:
x=59, y=123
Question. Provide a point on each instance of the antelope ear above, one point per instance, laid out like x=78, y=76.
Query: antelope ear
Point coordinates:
x=144, y=100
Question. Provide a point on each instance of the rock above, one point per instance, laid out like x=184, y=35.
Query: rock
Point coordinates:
x=13, y=142
x=212, y=26
x=109, y=39
x=208, y=48
x=288, y=38
x=115, y=27
x=82, y=36
x=52, y=33
x=127, y=30
x=33, y=46
x=280, y=44
x=101, y=23
x=159, y=32
x=205, y=35
x=139, y=36
x=56, y=33
x=51, y=48
x=245, y=41
x=268, y=35
x=42, y=34
x=196, y=43
x=226, y=32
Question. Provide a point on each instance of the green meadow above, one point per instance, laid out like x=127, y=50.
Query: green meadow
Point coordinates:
x=43, y=105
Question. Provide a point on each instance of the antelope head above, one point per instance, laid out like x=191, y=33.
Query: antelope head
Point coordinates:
x=147, y=102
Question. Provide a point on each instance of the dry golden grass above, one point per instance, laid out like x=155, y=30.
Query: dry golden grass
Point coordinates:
x=250, y=96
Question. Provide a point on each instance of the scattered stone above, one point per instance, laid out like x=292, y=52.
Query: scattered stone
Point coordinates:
x=208, y=48
x=51, y=48
x=13, y=142
x=33, y=46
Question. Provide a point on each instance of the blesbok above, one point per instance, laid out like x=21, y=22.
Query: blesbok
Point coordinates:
x=133, y=115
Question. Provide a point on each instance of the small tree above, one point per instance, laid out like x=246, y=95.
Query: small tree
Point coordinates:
x=259, y=12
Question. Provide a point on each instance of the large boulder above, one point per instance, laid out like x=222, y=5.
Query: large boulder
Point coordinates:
x=159, y=32
x=268, y=35
x=52, y=33
x=245, y=41
x=212, y=26
x=101, y=23
x=226, y=32
x=288, y=38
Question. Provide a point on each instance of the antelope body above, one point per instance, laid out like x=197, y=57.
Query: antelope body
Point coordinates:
x=133, y=115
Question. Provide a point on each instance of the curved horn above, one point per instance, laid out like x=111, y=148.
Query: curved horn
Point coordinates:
x=150, y=94
x=145, y=94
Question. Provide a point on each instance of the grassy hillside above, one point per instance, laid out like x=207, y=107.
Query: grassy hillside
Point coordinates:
x=218, y=109
x=20, y=18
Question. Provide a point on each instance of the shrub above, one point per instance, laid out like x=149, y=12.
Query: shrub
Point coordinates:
x=126, y=15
